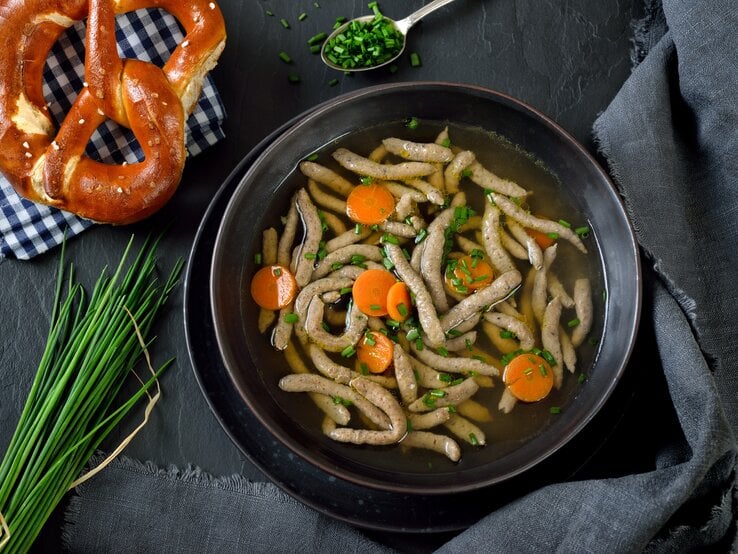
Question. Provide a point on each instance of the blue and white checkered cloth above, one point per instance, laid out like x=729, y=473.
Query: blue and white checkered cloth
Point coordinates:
x=28, y=229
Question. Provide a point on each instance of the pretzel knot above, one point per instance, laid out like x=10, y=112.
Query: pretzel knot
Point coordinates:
x=50, y=167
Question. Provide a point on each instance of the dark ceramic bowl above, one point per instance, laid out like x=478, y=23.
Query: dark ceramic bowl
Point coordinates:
x=263, y=195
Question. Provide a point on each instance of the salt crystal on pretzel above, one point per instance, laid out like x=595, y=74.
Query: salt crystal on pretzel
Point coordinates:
x=50, y=167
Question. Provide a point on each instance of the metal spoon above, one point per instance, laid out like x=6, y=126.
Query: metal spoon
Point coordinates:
x=403, y=26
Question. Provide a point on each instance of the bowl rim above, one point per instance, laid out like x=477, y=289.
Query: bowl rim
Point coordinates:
x=509, y=102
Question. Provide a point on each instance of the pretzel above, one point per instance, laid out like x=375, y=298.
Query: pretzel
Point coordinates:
x=50, y=167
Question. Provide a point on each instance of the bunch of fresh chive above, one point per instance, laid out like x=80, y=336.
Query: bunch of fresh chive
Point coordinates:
x=365, y=43
x=93, y=345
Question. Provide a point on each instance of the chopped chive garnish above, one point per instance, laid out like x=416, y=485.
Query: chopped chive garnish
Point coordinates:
x=402, y=309
x=316, y=4
x=291, y=318
x=457, y=381
x=582, y=377
x=302, y=16
x=358, y=260
x=391, y=239
x=257, y=258
x=468, y=345
x=542, y=369
x=269, y=13
x=453, y=333
x=553, y=236
x=293, y=78
x=375, y=307
x=419, y=343
x=446, y=142
x=528, y=371
x=564, y=223
x=412, y=334
x=309, y=255
x=548, y=357
x=344, y=290
x=386, y=262
x=285, y=57
x=573, y=322
x=284, y=23
x=468, y=173
x=392, y=323
x=364, y=368
x=277, y=272
x=317, y=39
x=358, y=229
x=332, y=82
x=415, y=59
x=315, y=49
x=445, y=377
x=348, y=351
x=451, y=409
x=473, y=439
x=583, y=231
x=442, y=351
x=555, y=409
x=420, y=237
x=438, y=393
x=429, y=400
x=311, y=158
x=369, y=339
x=594, y=341
x=375, y=8
x=505, y=334
x=335, y=266
x=480, y=359
x=340, y=400
x=412, y=123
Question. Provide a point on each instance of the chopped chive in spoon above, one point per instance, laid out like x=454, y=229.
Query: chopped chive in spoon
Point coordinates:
x=365, y=43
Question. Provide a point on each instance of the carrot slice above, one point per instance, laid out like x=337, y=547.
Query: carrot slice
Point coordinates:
x=370, y=291
x=374, y=352
x=469, y=274
x=370, y=204
x=528, y=377
x=273, y=287
x=399, y=303
x=543, y=240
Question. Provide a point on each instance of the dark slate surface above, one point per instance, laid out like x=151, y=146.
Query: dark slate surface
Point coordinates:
x=567, y=59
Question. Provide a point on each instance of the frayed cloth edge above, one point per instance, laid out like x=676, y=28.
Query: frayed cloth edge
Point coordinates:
x=190, y=474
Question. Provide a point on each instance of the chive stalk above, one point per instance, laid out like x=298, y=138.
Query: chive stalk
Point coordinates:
x=93, y=345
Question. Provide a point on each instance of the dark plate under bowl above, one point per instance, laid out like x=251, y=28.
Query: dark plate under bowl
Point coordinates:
x=262, y=190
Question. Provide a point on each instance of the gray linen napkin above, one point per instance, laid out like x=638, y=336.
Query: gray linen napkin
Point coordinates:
x=137, y=507
x=671, y=140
